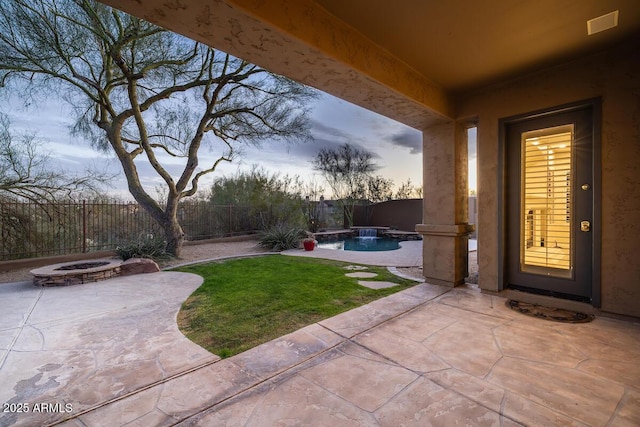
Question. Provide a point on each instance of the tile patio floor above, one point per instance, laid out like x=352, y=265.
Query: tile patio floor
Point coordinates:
x=425, y=356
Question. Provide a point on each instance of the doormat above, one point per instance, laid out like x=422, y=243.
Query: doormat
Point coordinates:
x=553, y=314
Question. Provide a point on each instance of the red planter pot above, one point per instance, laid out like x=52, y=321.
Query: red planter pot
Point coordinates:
x=309, y=245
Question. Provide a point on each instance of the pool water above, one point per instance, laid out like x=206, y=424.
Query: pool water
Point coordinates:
x=364, y=244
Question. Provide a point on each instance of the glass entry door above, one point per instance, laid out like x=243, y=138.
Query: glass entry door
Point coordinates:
x=549, y=215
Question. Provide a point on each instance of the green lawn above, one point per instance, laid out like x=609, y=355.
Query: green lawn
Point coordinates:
x=246, y=302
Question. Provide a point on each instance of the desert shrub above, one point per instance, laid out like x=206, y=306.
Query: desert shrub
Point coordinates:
x=261, y=200
x=281, y=237
x=146, y=246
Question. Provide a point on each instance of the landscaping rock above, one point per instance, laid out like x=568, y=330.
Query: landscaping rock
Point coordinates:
x=361, y=275
x=138, y=266
x=376, y=284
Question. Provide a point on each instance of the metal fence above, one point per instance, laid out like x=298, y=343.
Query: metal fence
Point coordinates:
x=30, y=230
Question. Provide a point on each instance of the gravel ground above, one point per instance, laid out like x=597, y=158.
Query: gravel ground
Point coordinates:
x=189, y=254
x=214, y=250
x=217, y=250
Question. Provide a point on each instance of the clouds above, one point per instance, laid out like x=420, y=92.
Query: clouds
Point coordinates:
x=318, y=127
x=408, y=138
x=395, y=147
x=331, y=137
x=323, y=137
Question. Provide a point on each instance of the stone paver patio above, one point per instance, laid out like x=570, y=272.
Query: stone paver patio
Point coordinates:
x=424, y=356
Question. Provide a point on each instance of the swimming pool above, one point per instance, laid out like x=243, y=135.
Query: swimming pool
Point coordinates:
x=363, y=244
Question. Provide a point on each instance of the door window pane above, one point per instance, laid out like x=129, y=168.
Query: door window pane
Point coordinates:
x=546, y=200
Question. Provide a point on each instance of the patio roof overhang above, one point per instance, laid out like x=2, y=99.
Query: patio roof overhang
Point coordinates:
x=408, y=61
x=305, y=42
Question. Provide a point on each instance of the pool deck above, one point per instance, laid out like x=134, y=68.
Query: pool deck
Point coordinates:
x=408, y=255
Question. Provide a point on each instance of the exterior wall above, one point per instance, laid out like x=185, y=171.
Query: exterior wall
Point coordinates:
x=612, y=75
x=397, y=214
x=360, y=216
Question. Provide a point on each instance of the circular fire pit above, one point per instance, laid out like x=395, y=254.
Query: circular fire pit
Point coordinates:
x=77, y=272
x=83, y=266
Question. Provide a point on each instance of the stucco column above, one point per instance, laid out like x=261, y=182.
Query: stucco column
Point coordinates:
x=445, y=229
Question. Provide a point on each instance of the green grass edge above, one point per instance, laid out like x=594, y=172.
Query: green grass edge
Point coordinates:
x=247, y=301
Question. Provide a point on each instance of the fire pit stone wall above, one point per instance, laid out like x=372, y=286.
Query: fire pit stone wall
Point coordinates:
x=77, y=272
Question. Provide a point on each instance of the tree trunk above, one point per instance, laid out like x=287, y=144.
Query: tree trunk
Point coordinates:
x=174, y=236
x=167, y=218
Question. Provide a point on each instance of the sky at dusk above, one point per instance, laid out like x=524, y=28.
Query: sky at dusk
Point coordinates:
x=396, y=148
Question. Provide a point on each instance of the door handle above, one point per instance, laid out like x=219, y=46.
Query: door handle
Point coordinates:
x=585, y=226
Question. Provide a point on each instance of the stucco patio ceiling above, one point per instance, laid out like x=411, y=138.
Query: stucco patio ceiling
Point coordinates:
x=463, y=44
x=406, y=60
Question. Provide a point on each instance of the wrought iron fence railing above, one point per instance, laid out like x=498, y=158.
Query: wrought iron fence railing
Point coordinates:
x=29, y=230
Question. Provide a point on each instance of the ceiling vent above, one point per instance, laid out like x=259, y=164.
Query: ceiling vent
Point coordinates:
x=602, y=23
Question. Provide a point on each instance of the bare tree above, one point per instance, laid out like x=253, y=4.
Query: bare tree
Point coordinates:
x=144, y=91
x=26, y=172
x=376, y=189
x=408, y=191
x=346, y=171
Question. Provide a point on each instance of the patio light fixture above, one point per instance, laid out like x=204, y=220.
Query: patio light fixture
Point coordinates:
x=602, y=23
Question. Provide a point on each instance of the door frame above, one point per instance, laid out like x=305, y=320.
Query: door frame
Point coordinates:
x=595, y=105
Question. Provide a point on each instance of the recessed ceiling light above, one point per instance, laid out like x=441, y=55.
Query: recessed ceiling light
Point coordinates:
x=602, y=23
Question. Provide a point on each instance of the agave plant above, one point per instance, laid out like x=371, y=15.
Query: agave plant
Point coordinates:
x=281, y=237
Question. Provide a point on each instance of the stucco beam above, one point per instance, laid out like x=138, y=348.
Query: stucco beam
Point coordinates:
x=301, y=40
